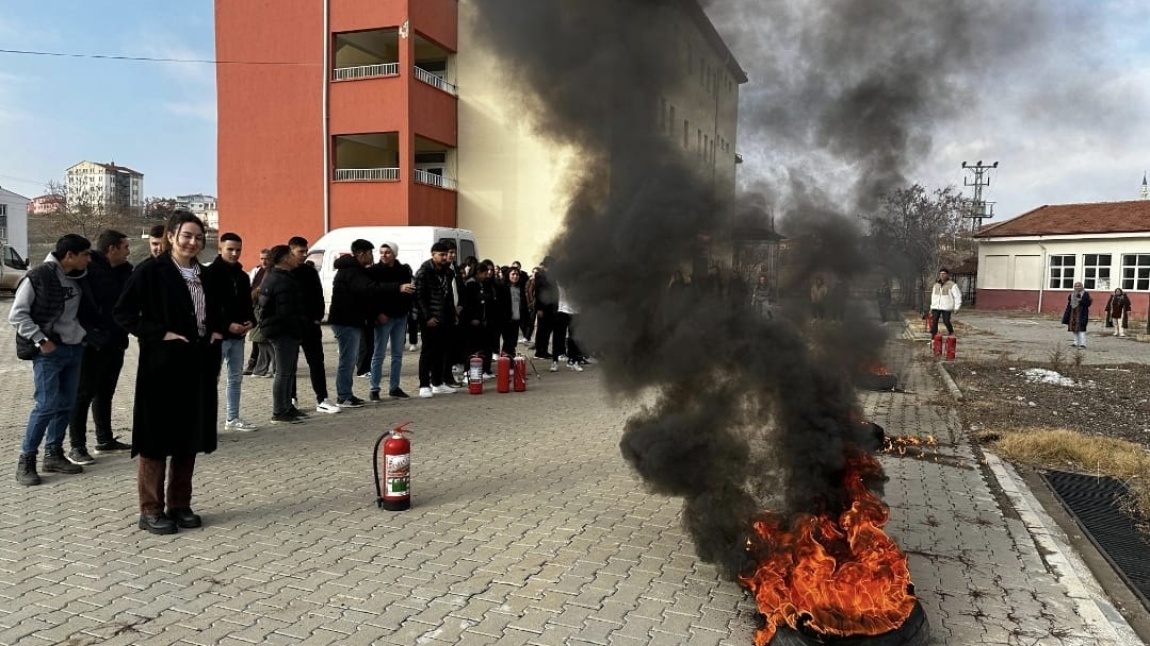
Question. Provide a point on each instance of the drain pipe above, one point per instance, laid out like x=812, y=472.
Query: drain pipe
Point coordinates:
x=1042, y=277
x=326, y=74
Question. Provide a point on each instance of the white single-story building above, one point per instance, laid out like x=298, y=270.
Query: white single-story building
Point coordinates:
x=14, y=221
x=1031, y=263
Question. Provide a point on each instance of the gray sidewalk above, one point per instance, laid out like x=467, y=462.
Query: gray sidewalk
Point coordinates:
x=527, y=528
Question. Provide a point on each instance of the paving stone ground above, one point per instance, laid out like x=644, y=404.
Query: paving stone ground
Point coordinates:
x=527, y=528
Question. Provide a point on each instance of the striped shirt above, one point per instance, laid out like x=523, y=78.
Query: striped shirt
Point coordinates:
x=191, y=276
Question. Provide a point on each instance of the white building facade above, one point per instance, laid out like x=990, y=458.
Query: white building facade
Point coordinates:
x=204, y=206
x=1031, y=263
x=105, y=185
x=14, y=221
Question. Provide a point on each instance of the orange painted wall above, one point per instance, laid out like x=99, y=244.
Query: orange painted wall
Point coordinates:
x=367, y=106
x=270, y=130
x=434, y=113
x=368, y=203
x=360, y=15
x=431, y=206
x=437, y=20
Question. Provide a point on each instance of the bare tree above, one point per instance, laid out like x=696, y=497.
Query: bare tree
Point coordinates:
x=84, y=213
x=910, y=232
x=159, y=208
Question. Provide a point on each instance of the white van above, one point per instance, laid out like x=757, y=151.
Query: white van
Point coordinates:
x=414, y=247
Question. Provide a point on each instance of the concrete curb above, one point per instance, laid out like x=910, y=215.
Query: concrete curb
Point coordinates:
x=949, y=382
x=1090, y=601
x=1083, y=589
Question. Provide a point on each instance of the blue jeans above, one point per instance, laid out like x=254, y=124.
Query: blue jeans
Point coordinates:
x=56, y=378
x=393, y=331
x=347, y=345
x=233, y=360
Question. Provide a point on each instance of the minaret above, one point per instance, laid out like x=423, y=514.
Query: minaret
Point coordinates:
x=1145, y=193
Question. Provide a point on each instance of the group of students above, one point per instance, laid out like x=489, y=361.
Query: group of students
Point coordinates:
x=74, y=313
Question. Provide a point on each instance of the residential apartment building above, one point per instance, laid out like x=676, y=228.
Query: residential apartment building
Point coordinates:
x=106, y=185
x=14, y=221
x=203, y=206
x=46, y=204
x=408, y=122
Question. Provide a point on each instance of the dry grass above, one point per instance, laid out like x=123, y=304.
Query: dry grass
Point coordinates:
x=1064, y=449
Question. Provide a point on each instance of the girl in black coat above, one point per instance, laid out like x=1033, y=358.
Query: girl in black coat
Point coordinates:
x=172, y=306
x=516, y=312
x=1077, y=315
x=475, y=317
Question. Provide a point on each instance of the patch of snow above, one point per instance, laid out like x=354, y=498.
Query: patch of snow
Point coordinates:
x=1044, y=376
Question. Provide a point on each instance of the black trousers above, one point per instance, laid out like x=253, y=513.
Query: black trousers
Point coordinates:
x=99, y=372
x=434, y=354
x=366, y=349
x=510, y=334
x=312, y=345
x=478, y=342
x=412, y=330
x=546, y=330
x=283, y=386
x=945, y=316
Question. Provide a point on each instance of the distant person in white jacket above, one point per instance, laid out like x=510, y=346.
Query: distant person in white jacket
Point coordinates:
x=945, y=299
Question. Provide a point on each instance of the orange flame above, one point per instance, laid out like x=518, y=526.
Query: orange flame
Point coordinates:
x=876, y=368
x=838, y=577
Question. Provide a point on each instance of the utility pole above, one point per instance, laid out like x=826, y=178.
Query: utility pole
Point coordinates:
x=977, y=209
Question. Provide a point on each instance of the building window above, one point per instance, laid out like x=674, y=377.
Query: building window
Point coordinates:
x=1136, y=271
x=1096, y=271
x=1062, y=272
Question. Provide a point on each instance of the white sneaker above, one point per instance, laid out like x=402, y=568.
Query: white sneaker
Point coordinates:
x=554, y=366
x=294, y=402
x=590, y=361
x=576, y=367
x=425, y=393
x=442, y=389
x=487, y=376
x=562, y=357
x=238, y=424
x=411, y=348
x=326, y=406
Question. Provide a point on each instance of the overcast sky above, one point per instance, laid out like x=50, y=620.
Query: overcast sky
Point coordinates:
x=1057, y=92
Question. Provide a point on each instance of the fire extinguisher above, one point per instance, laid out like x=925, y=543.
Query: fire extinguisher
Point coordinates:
x=929, y=320
x=475, y=375
x=951, y=347
x=520, y=374
x=936, y=345
x=393, y=489
x=503, y=374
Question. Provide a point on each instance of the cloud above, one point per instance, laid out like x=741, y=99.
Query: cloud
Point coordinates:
x=194, y=84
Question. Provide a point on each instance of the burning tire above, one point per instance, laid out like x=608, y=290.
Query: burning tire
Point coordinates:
x=867, y=381
x=913, y=632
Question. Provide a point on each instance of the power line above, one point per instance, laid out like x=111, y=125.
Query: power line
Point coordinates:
x=145, y=59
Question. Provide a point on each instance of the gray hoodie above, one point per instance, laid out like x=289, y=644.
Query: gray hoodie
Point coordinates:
x=67, y=326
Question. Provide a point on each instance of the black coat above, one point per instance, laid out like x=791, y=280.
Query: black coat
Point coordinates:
x=354, y=295
x=176, y=390
x=1120, y=303
x=1083, y=311
x=311, y=291
x=282, y=309
x=106, y=283
x=236, y=293
x=475, y=303
x=434, y=289
x=394, y=303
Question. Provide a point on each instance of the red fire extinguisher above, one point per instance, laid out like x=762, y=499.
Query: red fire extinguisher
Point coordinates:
x=929, y=320
x=936, y=345
x=475, y=375
x=393, y=489
x=519, y=375
x=503, y=374
x=951, y=347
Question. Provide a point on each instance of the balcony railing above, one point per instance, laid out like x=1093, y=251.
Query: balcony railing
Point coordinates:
x=365, y=71
x=367, y=174
x=431, y=179
x=435, y=81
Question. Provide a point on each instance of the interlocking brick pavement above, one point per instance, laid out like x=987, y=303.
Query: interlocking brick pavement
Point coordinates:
x=527, y=528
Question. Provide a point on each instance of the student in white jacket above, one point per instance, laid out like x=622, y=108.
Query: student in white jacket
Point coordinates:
x=945, y=299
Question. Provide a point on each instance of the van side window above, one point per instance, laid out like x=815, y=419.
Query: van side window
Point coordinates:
x=315, y=257
x=466, y=248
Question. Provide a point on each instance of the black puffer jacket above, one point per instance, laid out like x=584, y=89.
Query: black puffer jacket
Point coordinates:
x=236, y=289
x=394, y=303
x=107, y=283
x=355, y=296
x=311, y=291
x=433, y=293
x=282, y=312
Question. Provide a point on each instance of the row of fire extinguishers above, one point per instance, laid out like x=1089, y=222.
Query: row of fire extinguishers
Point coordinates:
x=391, y=460
x=509, y=374
x=950, y=342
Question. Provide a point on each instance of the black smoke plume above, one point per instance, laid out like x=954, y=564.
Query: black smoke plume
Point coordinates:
x=747, y=411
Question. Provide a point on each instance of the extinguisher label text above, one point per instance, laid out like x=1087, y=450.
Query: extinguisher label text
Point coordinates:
x=398, y=476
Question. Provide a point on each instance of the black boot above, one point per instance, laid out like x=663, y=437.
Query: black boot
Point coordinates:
x=157, y=524
x=26, y=471
x=55, y=462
